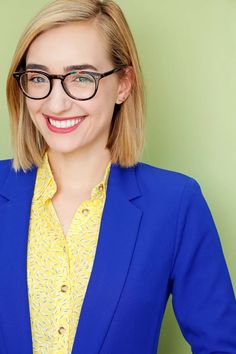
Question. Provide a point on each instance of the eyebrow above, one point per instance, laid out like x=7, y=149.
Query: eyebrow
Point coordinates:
x=66, y=69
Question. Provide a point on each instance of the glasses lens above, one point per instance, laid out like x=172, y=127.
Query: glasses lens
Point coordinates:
x=34, y=84
x=80, y=85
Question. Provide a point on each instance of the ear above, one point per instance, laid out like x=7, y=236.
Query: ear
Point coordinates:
x=125, y=85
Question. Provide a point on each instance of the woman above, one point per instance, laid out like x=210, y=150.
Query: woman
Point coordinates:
x=93, y=242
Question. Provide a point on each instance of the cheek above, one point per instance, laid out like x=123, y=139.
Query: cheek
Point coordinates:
x=108, y=90
x=33, y=106
x=103, y=103
x=33, y=109
x=102, y=111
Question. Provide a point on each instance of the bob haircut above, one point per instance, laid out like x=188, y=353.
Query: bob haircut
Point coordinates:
x=125, y=140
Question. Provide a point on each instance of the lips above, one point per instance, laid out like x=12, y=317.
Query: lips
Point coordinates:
x=61, y=125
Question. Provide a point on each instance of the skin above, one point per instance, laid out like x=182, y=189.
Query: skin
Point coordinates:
x=80, y=156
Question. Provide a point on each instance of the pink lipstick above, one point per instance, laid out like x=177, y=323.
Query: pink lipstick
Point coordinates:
x=63, y=125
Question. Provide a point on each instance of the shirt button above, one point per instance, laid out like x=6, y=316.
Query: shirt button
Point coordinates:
x=61, y=330
x=100, y=188
x=85, y=212
x=64, y=288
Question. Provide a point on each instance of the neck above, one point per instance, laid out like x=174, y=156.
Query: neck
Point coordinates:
x=78, y=171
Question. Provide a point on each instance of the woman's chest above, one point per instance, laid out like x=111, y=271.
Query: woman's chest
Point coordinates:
x=66, y=206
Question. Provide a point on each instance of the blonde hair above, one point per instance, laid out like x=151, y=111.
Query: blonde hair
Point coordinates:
x=125, y=140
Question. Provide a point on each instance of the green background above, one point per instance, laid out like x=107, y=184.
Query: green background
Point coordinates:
x=188, y=54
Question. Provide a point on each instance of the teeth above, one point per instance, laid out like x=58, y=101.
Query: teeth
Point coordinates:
x=64, y=123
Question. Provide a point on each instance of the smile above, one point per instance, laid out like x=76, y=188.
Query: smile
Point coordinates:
x=60, y=125
x=65, y=123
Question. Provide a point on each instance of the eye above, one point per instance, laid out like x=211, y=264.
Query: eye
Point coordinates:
x=37, y=79
x=81, y=79
x=84, y=79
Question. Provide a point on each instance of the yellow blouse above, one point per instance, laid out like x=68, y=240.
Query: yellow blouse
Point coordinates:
x=59, y=267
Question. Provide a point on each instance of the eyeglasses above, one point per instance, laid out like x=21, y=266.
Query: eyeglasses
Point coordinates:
x=79, y=85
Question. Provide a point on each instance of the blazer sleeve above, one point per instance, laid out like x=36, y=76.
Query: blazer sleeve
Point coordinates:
x=202, y=294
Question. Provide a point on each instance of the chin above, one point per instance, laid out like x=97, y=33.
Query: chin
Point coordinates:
x=63, y=148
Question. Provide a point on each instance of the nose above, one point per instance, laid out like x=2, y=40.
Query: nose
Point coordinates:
x=58, y=101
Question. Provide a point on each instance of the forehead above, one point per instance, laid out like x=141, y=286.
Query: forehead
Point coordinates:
x=70, y=44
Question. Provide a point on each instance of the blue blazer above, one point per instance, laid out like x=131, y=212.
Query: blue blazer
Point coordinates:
x=157, y=238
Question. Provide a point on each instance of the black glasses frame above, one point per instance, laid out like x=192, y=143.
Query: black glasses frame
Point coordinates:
x=96, y=76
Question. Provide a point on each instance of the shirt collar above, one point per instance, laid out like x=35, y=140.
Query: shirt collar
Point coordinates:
x=46, y=187
x=100, y=189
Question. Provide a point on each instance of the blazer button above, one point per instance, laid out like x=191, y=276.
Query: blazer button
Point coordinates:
x=61, y=330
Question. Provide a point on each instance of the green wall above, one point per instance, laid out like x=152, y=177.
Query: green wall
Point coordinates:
x=188, y=54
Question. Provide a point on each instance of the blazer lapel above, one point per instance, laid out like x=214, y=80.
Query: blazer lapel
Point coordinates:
x=15, y=203
x=118, y=234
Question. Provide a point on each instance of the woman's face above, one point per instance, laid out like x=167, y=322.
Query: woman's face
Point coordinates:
x=55, y=50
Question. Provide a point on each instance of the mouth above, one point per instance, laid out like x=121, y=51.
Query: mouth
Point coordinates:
x=63, y=125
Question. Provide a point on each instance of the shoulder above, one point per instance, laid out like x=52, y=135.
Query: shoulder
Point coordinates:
x=5, y=164
x=163, y=178
x=5, y=168
x=161, y=182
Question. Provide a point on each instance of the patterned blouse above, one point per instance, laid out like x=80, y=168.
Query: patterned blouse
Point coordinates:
x=59, y=267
